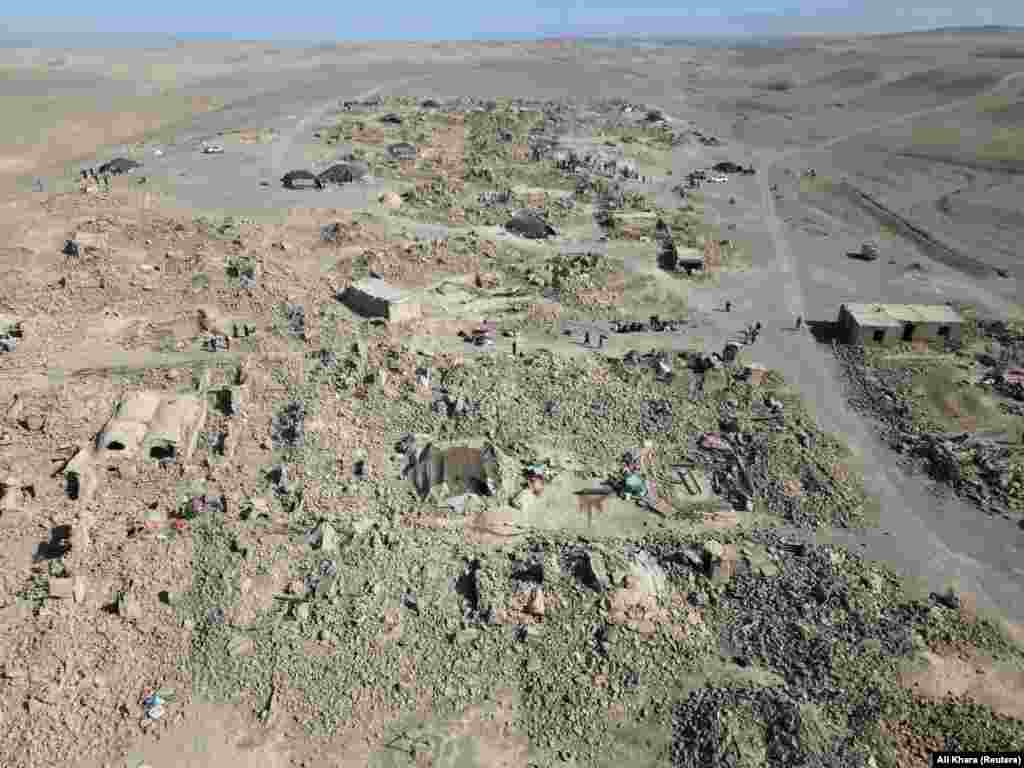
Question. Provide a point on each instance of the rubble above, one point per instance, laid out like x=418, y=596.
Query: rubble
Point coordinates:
x=287, y=430
x=300, y=584
x=979, y=467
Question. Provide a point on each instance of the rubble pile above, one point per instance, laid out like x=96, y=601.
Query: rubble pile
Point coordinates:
x=438, y=192
x=654, y=325
x=985, y=469
x=374, y=522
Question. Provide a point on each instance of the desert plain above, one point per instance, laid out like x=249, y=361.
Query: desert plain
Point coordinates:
x=242, y=522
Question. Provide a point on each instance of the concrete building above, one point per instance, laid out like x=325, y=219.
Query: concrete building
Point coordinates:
x=373, y=297
x=887, y=324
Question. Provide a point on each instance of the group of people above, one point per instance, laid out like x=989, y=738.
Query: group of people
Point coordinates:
x=756, y=329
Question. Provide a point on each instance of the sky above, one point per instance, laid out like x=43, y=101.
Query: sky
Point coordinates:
x=134, y=23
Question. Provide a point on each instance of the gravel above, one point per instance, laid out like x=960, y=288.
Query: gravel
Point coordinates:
x=801, y=626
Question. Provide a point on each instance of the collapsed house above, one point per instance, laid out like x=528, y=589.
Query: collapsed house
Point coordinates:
x=374, y=297
x=491, y=198
x=472, y=466
x=598, y=162
x=159, y=426
x=887, y=324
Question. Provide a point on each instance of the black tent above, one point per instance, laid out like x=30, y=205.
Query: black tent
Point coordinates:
x=392, y=119
x=728, y=167
x=403, y=150
x=529, y=225
x=344, y=173
x=430, y=104
x=119, y=165
x=667, y=255
x=297, y=179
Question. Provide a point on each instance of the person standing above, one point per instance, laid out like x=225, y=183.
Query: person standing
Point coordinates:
x=799, y=321
x=586, y=338
x=728, y=306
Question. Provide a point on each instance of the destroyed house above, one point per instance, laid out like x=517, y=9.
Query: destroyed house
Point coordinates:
x=894, y=323
x=373, y=297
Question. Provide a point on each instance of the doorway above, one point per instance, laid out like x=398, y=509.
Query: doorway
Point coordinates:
x=908, y=331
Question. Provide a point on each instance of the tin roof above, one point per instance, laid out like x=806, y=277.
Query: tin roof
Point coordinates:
x=895, y=315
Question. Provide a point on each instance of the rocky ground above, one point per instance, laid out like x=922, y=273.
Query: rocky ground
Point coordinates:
x=971, y=442
x=378, y=543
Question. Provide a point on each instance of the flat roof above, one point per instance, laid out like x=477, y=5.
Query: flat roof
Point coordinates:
x=894, y=315
x=379, y=289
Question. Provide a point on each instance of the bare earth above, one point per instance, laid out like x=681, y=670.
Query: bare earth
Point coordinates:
x=929, y=126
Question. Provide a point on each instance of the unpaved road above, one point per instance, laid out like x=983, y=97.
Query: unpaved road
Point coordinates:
x=928, y=539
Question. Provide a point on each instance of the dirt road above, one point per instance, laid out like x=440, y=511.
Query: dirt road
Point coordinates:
x=931, y=540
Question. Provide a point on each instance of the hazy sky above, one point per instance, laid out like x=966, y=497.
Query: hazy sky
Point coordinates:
x=405, y=19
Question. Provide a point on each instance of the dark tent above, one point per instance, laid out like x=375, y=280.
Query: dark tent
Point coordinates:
x=344, y=173
x=430, y=104
x=403, y=150
x=301, y=180
x=118, y=166
x=667, y=255
x=392, y=119
x=728, y=167
x=529, y=225
x=655, y=116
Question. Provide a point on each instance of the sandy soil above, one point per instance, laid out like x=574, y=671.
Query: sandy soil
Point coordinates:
x=864, y=111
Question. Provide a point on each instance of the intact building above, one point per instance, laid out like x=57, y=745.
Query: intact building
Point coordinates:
x=886, y=324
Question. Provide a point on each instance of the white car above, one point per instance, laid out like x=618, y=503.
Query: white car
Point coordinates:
x=213, y=149
x=719, y=179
